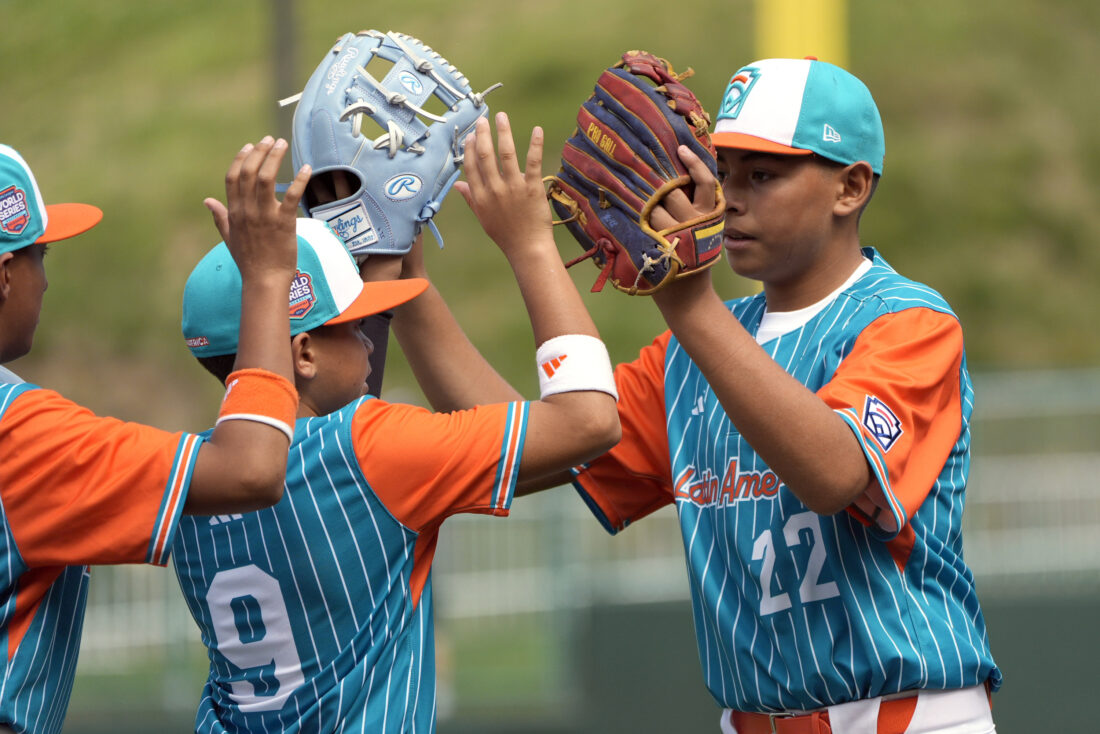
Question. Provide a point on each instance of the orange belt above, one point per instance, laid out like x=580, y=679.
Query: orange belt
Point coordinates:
x=893, y=718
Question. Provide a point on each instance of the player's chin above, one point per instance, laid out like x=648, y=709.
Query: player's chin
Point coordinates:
x=743, y=259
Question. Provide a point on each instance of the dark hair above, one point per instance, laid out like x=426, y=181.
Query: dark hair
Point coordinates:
x=219, y=366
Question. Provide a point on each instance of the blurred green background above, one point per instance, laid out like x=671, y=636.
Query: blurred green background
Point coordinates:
x=990, y=195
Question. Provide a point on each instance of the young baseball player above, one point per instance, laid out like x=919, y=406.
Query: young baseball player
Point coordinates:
x=317, y=613
x=814, y=438
x=77, y=489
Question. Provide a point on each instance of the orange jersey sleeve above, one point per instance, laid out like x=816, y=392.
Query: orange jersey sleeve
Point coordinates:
x=900, y=391
x=426, y=466
x=632, y=480
x=80, y=489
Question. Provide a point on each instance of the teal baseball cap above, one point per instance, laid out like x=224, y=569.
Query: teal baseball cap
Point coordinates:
x=326, y=289
x=798, y=107
x=25, y=219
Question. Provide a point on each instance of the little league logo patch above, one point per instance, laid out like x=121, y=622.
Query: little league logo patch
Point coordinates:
x=301, y=295
x=737, y=92
x=14, y=214
x=881, y=422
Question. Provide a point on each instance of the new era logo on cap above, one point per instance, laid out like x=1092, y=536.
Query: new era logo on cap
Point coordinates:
x=801, y=106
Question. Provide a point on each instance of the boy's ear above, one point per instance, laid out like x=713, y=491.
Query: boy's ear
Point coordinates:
x=5, y=275
x=856, y=185
x=303, y=356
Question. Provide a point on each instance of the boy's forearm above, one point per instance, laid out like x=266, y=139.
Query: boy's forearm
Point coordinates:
x=243, y=464
x=447, y=366
x=799, y=436
x=265, y=329
x=553, y=303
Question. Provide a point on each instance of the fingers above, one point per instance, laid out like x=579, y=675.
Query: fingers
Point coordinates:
x=471, y=163
x=463, y=188
x=240, y=181
x=679, y=206
x=233, y=175
x=704, y=179
x=509, y=164
x=221, y=216
x=269, y=166
x=533, y=172
x=293, y=195
x=661, y=219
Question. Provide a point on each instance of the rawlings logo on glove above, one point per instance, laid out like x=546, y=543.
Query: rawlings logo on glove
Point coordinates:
x=622, y=161
x=377, y=193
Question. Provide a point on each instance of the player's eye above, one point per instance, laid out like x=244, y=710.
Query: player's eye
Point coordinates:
x=760, y=175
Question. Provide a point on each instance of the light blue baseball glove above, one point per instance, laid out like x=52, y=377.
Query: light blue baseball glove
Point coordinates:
x=382, y=163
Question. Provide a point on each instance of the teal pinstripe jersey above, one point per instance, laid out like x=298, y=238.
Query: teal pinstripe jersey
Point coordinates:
x=317, y=612
x=794, y=610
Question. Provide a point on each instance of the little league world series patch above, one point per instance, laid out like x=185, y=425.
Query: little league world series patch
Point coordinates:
x=14, y=213
x=881, y=422
x=302, y=297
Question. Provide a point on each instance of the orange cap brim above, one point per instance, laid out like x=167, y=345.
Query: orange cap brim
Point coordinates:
x=381, y=295
x=742, y=141
x=69, y=220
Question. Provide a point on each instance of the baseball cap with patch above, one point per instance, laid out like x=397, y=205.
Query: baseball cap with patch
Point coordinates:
x=24, y=218
x=798, y=107
x=326, y=289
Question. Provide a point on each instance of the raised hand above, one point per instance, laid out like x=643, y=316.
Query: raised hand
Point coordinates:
x=258, y=228
x=510, y=203
x=677, y=207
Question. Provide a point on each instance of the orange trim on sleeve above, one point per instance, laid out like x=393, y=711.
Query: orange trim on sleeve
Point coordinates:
x=909, y=366
x=427, y=466
x=77, y=488
x=634, y=479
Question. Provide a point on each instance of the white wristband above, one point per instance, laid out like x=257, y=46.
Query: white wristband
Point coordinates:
x=265, y=419
x=572, y=363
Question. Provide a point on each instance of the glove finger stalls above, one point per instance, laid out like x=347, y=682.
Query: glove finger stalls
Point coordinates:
x=389, y=108
x=643, y=214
